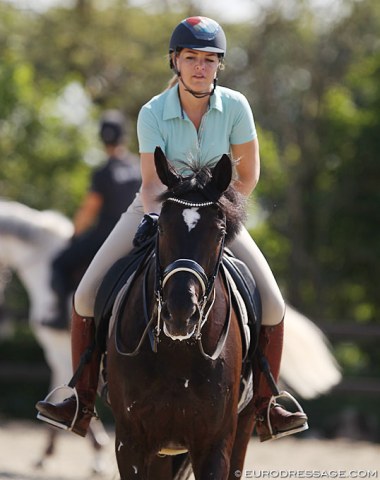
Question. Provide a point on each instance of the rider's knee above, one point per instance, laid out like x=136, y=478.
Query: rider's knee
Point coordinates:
x=273, y=310
x=83, y=303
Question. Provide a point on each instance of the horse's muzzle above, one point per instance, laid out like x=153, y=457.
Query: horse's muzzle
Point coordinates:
x=181, y=323
x=179, y=337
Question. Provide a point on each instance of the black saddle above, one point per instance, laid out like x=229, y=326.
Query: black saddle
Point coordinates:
x=119, y=274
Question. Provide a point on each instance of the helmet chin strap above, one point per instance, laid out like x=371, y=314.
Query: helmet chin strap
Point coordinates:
x=197, y=94
x=188, y=89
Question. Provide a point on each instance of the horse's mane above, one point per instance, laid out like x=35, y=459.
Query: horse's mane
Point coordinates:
x=231, y=201
x=27, y=223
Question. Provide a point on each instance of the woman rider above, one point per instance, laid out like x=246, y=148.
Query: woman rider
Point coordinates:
x=193, y=120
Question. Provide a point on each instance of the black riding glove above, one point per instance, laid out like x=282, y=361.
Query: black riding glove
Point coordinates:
x=146, y=229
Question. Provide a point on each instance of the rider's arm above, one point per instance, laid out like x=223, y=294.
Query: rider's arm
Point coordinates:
x=88, y=212
x=248, y=166
x=151, y=185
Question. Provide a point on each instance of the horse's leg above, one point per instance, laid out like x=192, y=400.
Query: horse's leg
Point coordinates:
x=49, y=449
x=133, y=468
x=129, y=453
x=135, y=460
x=246, y=424
x=98, y=438
x=160, y=468
x=97, y=434
x=212, y=461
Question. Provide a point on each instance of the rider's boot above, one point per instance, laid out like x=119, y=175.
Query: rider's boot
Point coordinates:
x=70, y=414
x=272, y=419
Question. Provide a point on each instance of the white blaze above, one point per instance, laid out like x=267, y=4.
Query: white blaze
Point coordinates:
x=191, y=217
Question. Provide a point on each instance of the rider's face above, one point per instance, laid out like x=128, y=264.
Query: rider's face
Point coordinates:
x=198, y=69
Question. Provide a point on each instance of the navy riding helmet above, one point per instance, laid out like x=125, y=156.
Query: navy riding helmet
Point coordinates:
x=199, y=33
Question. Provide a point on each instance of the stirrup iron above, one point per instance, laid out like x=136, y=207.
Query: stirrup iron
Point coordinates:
x=55, y=423
x=273, y=402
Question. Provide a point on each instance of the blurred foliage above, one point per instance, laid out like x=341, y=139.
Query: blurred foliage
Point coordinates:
x=313, y=85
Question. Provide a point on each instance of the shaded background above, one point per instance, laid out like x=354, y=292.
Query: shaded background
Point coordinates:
x=311, y=71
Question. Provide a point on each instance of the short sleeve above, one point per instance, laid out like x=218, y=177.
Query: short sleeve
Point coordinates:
x=98, y=181
x=243, y=128
x=148, y=131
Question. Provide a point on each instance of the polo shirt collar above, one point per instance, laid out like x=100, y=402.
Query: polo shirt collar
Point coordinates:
x=216, y=100
x=172, y=108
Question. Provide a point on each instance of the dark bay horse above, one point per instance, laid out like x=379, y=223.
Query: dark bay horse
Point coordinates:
x=179, y=392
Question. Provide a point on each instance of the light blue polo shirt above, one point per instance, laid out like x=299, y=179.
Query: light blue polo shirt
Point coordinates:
x=228, y=121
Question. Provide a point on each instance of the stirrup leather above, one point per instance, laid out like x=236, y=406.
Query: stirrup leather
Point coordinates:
x=273, y=402
x=62, y=425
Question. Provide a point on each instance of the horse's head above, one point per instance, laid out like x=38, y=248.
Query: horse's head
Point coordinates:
x=199, y=213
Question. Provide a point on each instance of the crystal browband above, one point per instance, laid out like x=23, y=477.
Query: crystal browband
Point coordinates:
x=189, y=204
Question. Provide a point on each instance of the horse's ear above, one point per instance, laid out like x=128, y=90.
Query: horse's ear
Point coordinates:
x=222, y=174
x=165, y=172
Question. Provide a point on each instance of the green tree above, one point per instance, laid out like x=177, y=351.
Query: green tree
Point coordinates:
x=316, y=91
x=39, y=152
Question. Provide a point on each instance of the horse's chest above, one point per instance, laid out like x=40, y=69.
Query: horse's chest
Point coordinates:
x=183, y=392
x=180, y=404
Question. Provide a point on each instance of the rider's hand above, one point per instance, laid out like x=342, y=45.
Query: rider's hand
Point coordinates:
x=146, y=229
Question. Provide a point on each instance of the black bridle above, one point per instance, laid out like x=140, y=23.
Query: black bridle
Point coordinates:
x=207, y=283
